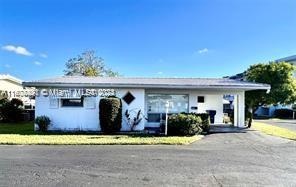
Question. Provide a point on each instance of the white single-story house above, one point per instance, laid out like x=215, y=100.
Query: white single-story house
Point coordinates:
x=75, y=111
x=11, y=87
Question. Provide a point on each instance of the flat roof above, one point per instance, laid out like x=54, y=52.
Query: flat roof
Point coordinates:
x=136, y=82
x=291, y=59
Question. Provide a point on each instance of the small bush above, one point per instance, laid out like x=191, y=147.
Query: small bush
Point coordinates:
x=110, y=114
x=283, y=113
x=184, y=125
x=205, y=118
x=42, y=122
x=11, y=110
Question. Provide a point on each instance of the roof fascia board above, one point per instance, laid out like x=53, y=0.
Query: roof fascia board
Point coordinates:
x=90, y=85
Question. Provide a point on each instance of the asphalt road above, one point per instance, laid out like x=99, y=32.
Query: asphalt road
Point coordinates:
x=225, y=159
x=287, y=123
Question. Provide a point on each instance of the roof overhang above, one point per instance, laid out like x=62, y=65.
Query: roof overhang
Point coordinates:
x=10, y=78
x=143, y=86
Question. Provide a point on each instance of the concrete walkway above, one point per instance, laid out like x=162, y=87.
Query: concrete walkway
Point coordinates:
x=224, y=128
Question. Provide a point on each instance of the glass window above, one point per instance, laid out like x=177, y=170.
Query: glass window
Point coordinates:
x=72, y=102
x=200, y=99
x=153, y=117
x=156, y=105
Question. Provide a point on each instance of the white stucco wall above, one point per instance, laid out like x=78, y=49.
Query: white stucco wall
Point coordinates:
x=213, y=101
x=83, y=118
x=134, y=107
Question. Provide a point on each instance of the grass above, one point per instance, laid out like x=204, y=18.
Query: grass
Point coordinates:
x=274, y=131
x=17, y=128
x=23, y=134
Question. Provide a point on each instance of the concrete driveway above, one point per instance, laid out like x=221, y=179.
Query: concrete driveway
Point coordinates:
x=222, y=159
x=285, y=123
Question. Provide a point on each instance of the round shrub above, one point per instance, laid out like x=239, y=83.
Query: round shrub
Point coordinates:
x=110, y=114
x=42, y=122
x=184, y=125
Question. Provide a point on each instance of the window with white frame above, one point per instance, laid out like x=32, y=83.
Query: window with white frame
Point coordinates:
x=156, y=105
x=75, y=102
x=53, y=102
x=90, y=102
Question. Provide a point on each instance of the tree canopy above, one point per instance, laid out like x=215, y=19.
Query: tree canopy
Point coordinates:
x=88, y=64
x=279, y=76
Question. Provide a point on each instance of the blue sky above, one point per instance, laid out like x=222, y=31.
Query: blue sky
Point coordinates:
x=151, y=38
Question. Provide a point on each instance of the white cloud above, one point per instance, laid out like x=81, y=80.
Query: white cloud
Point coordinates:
x=7, y=66
x=37, y=63
x=160, y=73
x=43, y=55
x=160, y=60
x=17, y=49
x=204, y=50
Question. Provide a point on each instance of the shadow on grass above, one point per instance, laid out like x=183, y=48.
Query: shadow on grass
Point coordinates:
x=27, y=128
x=22, y=128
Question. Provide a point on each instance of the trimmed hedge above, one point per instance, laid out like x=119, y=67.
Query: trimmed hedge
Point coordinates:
x=184, y=125
x=283, y=113
x=110, y=114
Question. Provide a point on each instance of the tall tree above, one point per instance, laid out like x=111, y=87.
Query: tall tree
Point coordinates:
x=88, y=64
x=279, y=76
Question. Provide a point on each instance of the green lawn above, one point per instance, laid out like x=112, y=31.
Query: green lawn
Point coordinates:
x=23, y=133
x=274, y=131
x=17, y=128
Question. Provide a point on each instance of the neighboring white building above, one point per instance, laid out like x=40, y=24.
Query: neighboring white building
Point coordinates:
x=146, y=94
x=11, y=87
x=10, y=83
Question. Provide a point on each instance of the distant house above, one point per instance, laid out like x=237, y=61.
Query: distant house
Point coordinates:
x=11, y=87
x=242, y=76
x=290, y=59
x=10, y=83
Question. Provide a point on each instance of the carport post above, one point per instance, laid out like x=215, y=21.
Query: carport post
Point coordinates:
x=167, y=105
x=239, y=109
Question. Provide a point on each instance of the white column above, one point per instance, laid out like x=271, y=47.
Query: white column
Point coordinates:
x=235, y=105
x=241, y=109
